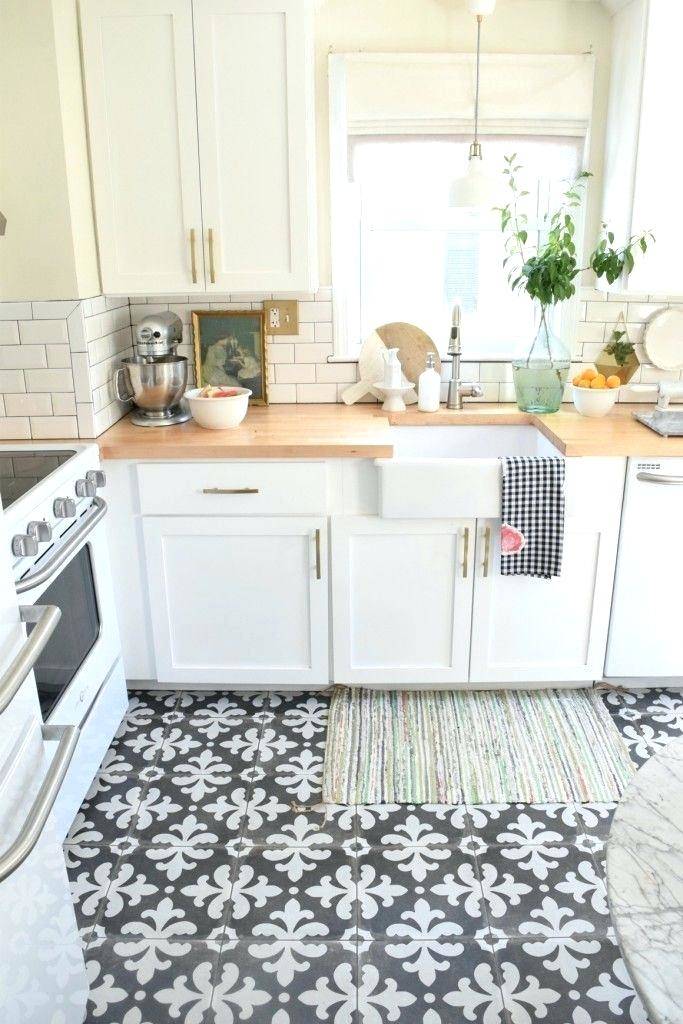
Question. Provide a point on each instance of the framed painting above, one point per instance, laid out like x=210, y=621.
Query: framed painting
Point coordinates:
x=230, y=349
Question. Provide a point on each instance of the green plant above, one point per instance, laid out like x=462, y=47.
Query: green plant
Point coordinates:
x=547, y=272
x=621, y=350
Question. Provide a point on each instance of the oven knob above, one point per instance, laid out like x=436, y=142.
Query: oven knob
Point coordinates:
x=40, y=530
x=64, y=508
x=23, y=545
x=85, y=489
x=96, y=477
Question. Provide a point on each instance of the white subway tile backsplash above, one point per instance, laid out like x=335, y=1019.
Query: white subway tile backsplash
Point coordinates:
x=22, y=357
x=604, y=312
x=312, y=353
x=9, y=332
x=316, y=393
x=338, y=373
x=310, y=312
x=280, y=354
x=641, y=312
x=15, y=311
x=12, y=382
x=323, y=333
x=58, y=356
x=54, y=426
x=48, y=380
x=43, y=332
x=15, y=428
x=28, y=405
x=53, y=310
x=295, y=373
x=282, y=393
x=81, y=377
x=63, y=404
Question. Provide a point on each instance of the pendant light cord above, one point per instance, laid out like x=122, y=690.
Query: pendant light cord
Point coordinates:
x=476, y=90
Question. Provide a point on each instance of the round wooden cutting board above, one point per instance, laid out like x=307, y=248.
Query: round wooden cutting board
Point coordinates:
x=413, y=348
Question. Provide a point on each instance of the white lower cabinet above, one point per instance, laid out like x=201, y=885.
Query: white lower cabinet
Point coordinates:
x=528, y=630
x=401, y=600
x=239, y=601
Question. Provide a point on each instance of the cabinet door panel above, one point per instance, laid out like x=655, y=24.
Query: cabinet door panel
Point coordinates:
x=401, y=601
x=139, y=78
x=254, y=138
x=528, y=630
x=238, y=601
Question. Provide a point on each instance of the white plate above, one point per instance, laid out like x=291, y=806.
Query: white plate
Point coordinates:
x=663, y=340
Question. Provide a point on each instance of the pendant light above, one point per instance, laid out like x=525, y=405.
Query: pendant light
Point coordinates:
x=477, y=187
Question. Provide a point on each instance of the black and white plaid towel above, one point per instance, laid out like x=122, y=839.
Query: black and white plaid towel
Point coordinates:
x=533, y=516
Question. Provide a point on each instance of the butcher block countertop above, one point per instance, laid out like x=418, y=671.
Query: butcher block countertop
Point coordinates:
x=363, y=432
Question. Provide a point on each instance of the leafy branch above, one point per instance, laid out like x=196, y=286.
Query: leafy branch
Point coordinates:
x=548, y=275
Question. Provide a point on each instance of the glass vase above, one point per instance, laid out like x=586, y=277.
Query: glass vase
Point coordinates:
x=540, y=376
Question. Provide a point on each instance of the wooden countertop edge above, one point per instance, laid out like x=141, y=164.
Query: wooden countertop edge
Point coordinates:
x=364, y=432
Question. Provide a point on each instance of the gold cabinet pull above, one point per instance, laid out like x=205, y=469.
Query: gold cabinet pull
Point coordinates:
x=230, y=490
x=212, y=266
x=318, y=562
x=465, y=550
x=487, y=551
x=193, y=254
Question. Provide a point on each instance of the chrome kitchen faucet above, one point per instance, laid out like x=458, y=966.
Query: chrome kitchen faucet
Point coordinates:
x=457, y=389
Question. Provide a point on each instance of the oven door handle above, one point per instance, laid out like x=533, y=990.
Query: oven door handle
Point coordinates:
x=45, y=618
x=96, y=512
x=32, y=828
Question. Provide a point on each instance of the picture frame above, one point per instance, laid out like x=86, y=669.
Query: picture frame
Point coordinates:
x=230, y=350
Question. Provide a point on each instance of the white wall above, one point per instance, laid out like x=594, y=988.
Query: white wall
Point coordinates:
x=517, y=26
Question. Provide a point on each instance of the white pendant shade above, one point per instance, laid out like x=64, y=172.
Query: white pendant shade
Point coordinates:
x=476, y=188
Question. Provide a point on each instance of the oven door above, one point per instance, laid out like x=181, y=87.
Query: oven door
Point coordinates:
x=85, y=645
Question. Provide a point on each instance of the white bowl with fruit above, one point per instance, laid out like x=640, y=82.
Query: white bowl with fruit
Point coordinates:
x=594, y=394
x=218, y=408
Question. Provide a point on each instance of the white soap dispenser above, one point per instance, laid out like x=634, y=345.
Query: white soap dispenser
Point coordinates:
x=429, y=387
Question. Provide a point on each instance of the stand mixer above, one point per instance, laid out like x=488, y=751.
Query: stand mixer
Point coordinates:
x=156, y=376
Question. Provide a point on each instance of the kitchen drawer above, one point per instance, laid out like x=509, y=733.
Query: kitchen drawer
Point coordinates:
x=233, y=488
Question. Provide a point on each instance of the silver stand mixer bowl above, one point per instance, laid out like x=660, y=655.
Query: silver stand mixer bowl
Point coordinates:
x=156, y=388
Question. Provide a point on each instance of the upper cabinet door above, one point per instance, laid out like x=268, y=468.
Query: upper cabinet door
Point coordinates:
x=255, y=108
x=140, y=91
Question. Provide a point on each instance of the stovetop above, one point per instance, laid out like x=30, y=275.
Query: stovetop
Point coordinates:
x=20, y=471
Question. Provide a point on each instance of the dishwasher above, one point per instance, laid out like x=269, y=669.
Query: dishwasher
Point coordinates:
x=646, y=629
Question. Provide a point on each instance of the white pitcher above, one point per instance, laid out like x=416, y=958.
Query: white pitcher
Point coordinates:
x=393, y=372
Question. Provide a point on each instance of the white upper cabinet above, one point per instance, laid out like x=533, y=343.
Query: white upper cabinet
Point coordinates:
x=201, y=138
x=139, y=78
x=644, y=146
x=48, y=250
x=253, y=64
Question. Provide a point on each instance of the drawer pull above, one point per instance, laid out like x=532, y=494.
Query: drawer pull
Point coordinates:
x=193, y=255
x=465, y=550
x=212, y=264
x=487, y=551
x=230, y=490
x=660, y=478
x=318, y=562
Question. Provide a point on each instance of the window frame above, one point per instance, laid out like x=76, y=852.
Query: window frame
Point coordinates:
x=340, y=132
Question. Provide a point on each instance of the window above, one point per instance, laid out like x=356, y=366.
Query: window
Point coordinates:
x=410, y=257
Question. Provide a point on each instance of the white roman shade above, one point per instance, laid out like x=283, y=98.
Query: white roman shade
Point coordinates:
x=434, y=93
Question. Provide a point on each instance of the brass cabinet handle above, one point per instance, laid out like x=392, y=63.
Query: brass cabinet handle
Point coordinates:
x=487, y=550
x=465, y=550
x=193, y=254
x=230, y=490
x=212, y=267
x=318, y=564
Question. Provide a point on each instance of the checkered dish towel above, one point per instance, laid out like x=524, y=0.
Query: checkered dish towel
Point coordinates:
x=532, y=533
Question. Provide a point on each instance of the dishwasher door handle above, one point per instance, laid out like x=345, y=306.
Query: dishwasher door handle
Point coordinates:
x=661, y=478
x=32, y=829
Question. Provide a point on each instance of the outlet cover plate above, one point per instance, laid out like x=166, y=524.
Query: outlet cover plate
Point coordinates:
x=281, y=316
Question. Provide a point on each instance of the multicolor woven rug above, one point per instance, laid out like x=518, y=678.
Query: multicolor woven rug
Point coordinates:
x=480, y=747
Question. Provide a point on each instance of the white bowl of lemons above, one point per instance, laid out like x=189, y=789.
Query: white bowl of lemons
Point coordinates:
x=593, y=393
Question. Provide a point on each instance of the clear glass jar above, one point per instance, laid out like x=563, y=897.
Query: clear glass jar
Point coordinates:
x=540, y=376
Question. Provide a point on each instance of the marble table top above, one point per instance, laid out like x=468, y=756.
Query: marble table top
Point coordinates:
x=645, y=882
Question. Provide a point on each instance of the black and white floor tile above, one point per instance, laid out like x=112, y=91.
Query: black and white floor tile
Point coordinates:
x=212, y=886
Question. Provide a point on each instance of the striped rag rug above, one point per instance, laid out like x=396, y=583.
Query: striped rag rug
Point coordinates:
x=480, y=747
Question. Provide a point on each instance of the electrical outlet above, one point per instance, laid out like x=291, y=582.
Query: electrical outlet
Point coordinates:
x=281, y=316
